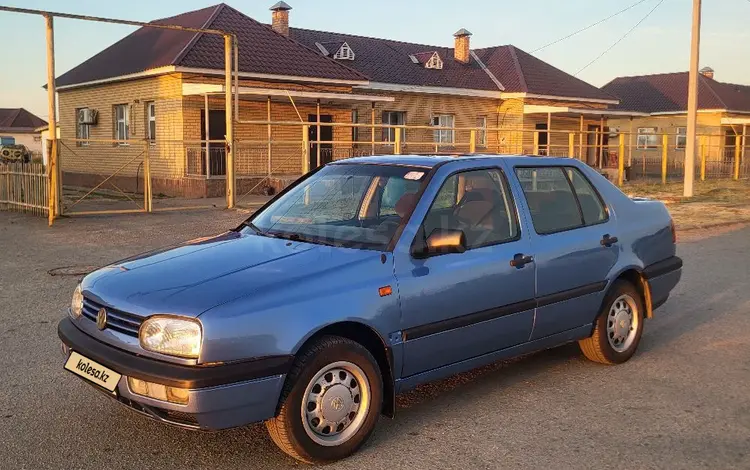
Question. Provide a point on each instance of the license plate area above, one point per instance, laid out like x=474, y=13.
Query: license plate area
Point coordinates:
x=92, y=371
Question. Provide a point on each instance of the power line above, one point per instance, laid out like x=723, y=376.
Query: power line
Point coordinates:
x=621, y=38
x=590, y=26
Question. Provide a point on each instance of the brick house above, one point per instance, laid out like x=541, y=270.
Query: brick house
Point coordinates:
x=21, y=127
x=723, y=114
x=161, y=92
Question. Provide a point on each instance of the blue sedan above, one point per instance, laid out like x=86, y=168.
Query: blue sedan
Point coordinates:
x=364, y=279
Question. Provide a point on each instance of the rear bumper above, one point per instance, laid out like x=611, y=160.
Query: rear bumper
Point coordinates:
x=220, y=397
x=662, y=278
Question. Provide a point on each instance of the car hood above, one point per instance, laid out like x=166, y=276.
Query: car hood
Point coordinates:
x=191, y=278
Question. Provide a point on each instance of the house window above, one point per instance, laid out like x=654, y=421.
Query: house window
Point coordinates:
x=647, y=138
x=393, y=118
x=444, y=136
x=482, y=131
x=151, y=122
x=37, y=138
x=83, y=131
x=434, y=62
x=344, y=53
x=122, y=122
x=680, y=139
x=355, y=130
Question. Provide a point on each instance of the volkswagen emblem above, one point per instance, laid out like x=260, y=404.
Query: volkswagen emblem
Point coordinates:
x=101, y=319
x=337, y=403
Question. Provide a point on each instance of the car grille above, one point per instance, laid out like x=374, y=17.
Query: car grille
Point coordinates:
x=116, y=319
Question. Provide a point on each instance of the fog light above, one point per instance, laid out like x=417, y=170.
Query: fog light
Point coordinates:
x=161, y=392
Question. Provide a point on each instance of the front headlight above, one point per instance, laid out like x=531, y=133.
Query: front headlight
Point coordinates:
x=171, y=335
x=76, y=305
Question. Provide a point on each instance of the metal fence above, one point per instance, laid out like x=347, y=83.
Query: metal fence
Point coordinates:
x=23, y=188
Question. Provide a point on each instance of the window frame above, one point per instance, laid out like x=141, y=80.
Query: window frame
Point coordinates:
x=389, y=133
x=646, y=146
x=437, y=135
x=82, y=141
x=482, y=131
x=355, y=120
x=575, y=196
x=150, y=105
x=125, y=121
x=679, y=135
x=512, y=201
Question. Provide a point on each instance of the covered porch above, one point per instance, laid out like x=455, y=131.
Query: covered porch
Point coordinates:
x=579, y=132
x=278, y=132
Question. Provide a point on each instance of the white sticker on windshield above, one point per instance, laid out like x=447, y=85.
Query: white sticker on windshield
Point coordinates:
x=414, y=175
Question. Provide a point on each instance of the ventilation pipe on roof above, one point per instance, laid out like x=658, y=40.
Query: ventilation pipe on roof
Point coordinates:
x=461, y=50
x=707, y=72
x=280, y=18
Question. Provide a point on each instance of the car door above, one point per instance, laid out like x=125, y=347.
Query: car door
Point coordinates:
x=463, y=305
x=572, y=253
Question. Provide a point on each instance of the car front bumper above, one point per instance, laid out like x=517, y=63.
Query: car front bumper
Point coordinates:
x=219, y=396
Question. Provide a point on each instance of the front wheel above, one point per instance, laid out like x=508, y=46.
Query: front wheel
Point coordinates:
x=330, y=403
x=618, y=327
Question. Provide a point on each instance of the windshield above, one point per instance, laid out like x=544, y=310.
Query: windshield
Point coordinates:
x=350, y=205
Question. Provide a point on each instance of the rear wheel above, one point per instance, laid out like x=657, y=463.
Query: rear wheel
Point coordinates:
x=330, y=403
x=618, y=328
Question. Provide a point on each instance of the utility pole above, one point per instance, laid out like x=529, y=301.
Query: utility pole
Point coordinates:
x=692, y=117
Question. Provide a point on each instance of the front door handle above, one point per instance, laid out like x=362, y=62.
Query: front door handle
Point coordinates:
x=608, y=241
x=520, y=260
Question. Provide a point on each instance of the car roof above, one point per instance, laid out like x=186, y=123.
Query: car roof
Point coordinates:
x=429, y=161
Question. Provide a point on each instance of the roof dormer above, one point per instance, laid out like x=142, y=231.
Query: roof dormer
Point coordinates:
x=430, y=60
x=339, y=50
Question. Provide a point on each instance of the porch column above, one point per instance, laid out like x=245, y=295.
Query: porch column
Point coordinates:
x=549, y=134
x=372, y=128
x=317, y=138
x=744, y=143
x=580, y=141
x=205, y=126
x=630, y=143
x=601, y=143
x=268, y=110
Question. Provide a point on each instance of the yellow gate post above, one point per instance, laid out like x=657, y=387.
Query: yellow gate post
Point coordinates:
x=536, y=143
x=737, y=147
x=305, y=149
x=397, y=143
x=703, y=157
x=473, y=141
x=621, y=161
x=53, y=180
x=147, y=194
x=571, y=145
x=230, y=182
x=664, y=148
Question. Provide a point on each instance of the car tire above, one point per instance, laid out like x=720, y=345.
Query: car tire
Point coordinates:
x=329, y=378
x=618, y=328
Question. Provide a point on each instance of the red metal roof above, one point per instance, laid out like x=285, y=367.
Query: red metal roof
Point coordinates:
x=668, y=92
x=19, y=120
x=262, y=50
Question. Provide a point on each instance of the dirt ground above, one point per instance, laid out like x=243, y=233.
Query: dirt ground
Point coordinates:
x=715, y=202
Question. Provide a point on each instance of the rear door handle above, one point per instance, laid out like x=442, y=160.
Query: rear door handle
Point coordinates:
x=520, y=260
x=608, y=241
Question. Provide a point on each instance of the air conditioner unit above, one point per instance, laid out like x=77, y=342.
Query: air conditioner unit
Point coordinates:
x=87, y=116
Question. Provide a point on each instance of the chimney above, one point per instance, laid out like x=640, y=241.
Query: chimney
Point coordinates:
x=461, y=50
x=280, y=18
x=707, y=72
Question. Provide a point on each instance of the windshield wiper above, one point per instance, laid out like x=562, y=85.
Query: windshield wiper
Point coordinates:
x=301, y=238
x=253, y=227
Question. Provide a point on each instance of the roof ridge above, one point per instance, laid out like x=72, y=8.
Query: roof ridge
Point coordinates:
x=368, y=37
x=517, y=65
x=180, y=55
x=707, y=81
x=487, y=70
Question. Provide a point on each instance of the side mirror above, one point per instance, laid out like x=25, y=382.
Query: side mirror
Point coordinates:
x=442, y=242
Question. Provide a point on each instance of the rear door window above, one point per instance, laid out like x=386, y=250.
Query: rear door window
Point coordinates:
x=592, y=207
x=551, y=200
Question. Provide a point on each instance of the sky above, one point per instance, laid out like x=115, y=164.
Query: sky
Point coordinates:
x=661, y=43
